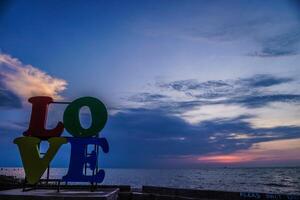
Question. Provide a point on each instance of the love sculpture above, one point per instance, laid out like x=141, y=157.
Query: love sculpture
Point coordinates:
x=35, y=165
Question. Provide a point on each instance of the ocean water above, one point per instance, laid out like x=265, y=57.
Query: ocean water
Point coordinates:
x=266, y=180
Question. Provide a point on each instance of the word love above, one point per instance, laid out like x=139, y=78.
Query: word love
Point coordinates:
x=35, y=165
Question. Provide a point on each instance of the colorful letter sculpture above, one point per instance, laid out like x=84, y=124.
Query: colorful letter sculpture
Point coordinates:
x=72, y=121
x=79, y=159
x=35, y=165
x=38, y=119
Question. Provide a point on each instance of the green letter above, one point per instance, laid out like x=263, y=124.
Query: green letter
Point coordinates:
x=72, y=121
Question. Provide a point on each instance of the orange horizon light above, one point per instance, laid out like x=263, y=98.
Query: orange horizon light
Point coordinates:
x=222, y=159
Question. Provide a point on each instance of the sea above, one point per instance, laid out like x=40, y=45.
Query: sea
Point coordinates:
x=266, y=180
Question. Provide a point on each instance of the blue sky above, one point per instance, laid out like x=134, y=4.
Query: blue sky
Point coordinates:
x=186, y=83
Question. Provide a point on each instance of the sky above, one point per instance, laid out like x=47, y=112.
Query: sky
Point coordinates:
x=187, y=84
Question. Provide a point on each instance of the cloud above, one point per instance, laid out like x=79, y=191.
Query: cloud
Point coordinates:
x=147, y=97
x=263, y=80
x=228, y=30
x=7, y=98
x=274, y=52
x=24, y=81
x=214, y=89
x=276, y=114
x=192, y=85
x=211, y=112
x=255, y=101
x=150, y=137
x=281, y=39
x=265, y=29
x=276, y=151
x=257, y=97
x=285, y=44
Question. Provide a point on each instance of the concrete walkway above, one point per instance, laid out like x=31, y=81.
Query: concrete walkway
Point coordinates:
x=104, y=194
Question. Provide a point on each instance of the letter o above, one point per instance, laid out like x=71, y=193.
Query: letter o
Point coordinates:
x=71, y=117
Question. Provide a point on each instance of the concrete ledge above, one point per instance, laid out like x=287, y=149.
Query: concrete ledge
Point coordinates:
x=44, y=194
x=210, y=194
x=125, y=193
x=145, y=196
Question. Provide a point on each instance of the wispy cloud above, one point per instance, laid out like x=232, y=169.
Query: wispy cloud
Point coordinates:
x=143, y=134
x=7, y=98
x=147, y=97
x=19, y=82
x=254, y=96
x=271, y=151
x=212, y=122
x=261, y=31
x=247, y=91
x=285, y=44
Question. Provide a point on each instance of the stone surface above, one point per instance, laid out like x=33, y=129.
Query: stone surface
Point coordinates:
x=166, y=193
x=44, y=194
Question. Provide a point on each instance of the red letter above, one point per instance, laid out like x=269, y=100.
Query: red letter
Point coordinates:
x=39, y=117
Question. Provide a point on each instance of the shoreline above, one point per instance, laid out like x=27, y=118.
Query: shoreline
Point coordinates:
x=11, y=187
x=175, y=168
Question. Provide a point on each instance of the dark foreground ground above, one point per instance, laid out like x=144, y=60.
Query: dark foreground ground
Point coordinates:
x=12, y=188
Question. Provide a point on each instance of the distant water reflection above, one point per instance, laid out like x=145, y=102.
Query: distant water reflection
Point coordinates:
x=269, y=180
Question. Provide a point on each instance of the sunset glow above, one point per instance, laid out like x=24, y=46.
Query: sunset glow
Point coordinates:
x=281, y=150
x=185, y=83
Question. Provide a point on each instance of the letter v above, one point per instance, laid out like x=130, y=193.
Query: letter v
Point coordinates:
x=34, y=165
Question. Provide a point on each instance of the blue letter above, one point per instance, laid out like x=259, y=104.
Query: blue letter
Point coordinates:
x=79, y=159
